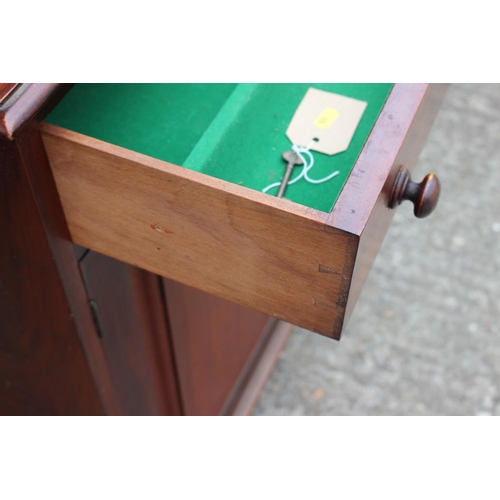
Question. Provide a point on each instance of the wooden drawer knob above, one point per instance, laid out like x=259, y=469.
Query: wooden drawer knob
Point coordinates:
x=424, y=195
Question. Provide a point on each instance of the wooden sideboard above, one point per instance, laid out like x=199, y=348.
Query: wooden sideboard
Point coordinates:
x=95, y=321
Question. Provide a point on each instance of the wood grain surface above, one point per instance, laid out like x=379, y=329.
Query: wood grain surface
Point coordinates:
x=212, y=340
x=397, y=139
x=267, y=254
x=22, y=103
x=50, y=260
x=135, y=337
x=43, y=368
x=5, y=90
x=265, y=360
x=280, y=258
x=52, y=360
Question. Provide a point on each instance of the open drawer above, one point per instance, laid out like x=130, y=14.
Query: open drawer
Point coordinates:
x=300, y=264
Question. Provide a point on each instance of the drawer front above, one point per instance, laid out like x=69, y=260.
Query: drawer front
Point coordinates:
x=397, y=140
x=272, y=255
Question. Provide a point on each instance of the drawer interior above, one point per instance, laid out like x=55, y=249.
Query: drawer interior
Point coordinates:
x=234, y=132
x=117, y=155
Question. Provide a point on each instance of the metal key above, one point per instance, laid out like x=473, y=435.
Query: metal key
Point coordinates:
x=293, y=160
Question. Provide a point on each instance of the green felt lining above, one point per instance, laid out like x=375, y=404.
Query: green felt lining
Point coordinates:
x=233, y=132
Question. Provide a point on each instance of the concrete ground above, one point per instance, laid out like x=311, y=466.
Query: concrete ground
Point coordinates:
x=424, y=338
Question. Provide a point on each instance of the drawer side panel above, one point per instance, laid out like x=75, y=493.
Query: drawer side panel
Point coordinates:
x=271, y=256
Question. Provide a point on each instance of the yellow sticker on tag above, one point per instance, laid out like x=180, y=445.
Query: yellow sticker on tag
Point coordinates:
x=326, y=118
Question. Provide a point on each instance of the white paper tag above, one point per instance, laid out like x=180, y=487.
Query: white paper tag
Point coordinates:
x=330, y=118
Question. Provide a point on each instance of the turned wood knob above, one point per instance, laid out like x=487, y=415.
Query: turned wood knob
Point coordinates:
x=424, y=195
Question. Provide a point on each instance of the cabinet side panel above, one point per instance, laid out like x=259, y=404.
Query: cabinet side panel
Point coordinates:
x=43, y=368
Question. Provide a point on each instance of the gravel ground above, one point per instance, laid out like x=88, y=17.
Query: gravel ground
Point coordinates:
x=424, y=338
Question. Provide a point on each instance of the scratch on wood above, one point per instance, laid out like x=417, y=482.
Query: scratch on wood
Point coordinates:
x=160, y=229
x=324, y=269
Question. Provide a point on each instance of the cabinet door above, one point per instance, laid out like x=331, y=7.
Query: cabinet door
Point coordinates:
x=215, y=344
x=130, y=320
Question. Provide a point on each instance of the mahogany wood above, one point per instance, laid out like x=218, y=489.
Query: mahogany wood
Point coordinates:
x=39, y=176
x=219, y=237
x=5, y=90
x=134, y=333
x=43, y=368
x=272, y=255
x=213, y=340
x=265, y=361
x=397, y=139
x=52, y=360
x=424, y=195
x=261, y=252
x=19, y=106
